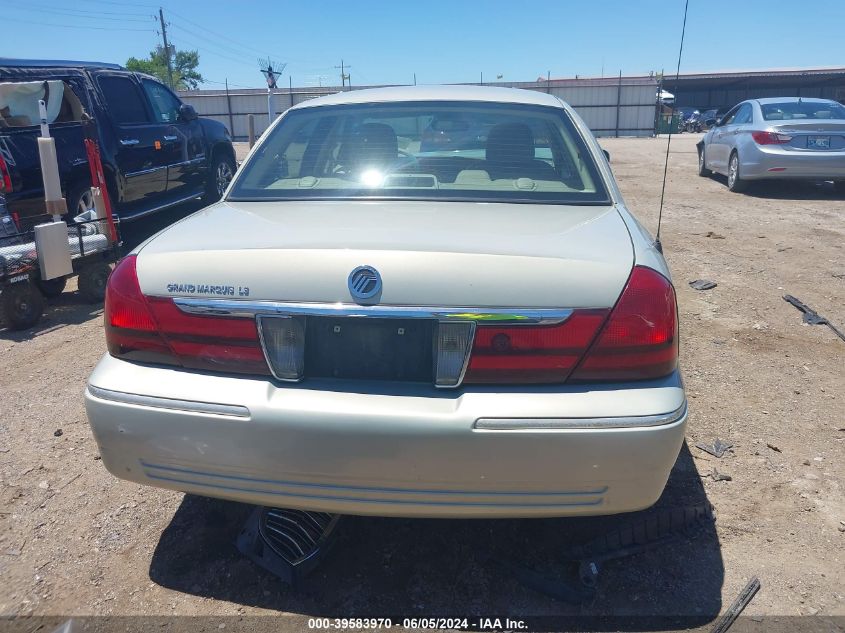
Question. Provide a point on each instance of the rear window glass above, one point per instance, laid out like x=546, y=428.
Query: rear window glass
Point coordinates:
x=794, y=110
x=473, y=151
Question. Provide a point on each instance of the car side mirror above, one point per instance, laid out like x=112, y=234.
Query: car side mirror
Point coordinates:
x=710, y=122
x=719, y=122
x=606, y=154
x=187, y=113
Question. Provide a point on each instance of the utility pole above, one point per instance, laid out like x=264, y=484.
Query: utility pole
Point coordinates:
x=166, y=48
x=343, y=75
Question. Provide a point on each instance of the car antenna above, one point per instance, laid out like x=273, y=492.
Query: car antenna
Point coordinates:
x=657, y=243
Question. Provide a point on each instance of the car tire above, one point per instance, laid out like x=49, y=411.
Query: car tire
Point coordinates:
x=22, y=305
x=220, y=174
x=52, y=288
x=735, y=181
x=92, y=282
x=702, y=170
x=79, y=199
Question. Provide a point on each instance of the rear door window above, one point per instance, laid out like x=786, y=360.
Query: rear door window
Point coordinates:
x=124, y=100
x=743, y=115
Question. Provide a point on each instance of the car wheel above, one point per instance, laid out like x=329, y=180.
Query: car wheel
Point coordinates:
x=52, y=288
x=79, y=199
x=92, y=282
x=735, y=181
x=220, y=174
x=22, y=305
x=702, y=170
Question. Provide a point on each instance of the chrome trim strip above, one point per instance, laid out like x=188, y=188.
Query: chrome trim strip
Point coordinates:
x=559, y=424
x=143, y=172
x=238, y=308
x=187, y=406
x=135, y=216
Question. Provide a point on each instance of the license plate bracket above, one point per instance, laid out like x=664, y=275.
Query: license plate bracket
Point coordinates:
x=370, y=348
x=818, y=142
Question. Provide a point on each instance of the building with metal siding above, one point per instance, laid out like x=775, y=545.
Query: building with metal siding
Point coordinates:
x=725, y=89
x=610, y=107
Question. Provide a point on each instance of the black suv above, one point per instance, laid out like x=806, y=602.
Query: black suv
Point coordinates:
x=155, y=151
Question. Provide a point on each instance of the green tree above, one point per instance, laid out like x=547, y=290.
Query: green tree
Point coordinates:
x=185, y=73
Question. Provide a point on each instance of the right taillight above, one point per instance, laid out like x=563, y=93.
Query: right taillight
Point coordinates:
x=154, y=329
x=640, y=338
x=770, y=138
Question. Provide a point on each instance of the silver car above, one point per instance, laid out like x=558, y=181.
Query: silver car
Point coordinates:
x=362, y=326
x=777, y=138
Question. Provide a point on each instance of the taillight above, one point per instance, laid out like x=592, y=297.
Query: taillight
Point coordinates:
x=153, y=329
x=640, y=339
x=5, y=177
x=532, y=354
x=770, y=138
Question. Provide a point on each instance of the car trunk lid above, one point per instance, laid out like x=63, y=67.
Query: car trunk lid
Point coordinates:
x=812, y=135
x=428, y=254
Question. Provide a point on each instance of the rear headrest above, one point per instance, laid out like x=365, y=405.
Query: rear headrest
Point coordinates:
x=509, y=143
x=374, y=144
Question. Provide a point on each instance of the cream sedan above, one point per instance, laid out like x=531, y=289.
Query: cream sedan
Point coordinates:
x=375, y=322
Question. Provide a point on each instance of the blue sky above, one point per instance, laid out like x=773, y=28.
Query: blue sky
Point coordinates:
x=440, y=40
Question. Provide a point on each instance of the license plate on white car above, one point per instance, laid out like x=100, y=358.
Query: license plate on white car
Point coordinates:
x=818, y=142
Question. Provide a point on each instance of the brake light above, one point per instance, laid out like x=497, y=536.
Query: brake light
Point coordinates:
x=640, y=339
x=153, y=329
x=770, y=138
x=5, y=177
x=532, y=354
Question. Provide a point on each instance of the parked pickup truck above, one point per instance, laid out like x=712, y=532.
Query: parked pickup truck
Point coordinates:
x=156, y=151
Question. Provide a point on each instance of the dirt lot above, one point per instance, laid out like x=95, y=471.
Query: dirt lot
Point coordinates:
x=75, y=540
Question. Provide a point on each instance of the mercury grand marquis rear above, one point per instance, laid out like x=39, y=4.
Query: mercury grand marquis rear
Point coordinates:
x=411, y=302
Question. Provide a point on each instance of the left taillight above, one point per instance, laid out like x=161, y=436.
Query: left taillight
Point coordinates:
x=154, y=329
x=5, y=177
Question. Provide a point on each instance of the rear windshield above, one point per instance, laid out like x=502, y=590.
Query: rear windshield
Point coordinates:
x=791, y=111
x=467, y=151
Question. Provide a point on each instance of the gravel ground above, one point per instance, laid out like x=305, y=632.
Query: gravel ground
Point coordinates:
x=75, y=540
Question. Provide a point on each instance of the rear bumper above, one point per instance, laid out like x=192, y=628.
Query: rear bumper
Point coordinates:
x=409, y=451
x=778, y=163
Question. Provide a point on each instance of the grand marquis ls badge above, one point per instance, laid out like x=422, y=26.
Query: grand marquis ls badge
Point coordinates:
x=364, y=283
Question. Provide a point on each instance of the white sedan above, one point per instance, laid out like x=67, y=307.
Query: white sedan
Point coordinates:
x=426, y=301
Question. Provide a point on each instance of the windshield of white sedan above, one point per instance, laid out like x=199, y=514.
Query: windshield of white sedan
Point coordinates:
x=472, y=151
x=797, y=110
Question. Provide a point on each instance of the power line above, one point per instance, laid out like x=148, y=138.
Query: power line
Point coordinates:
x=202, y=48
x=74, y=26
x=83, y=11
x=220, y=35
x=123, y=4
x=62, y=13
x=218, y=45
x=223, y=83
